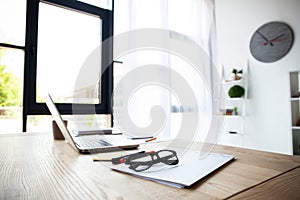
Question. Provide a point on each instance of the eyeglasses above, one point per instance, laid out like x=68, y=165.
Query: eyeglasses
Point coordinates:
x=143, y=161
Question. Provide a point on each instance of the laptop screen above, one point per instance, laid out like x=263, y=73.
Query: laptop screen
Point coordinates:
x=59, y=121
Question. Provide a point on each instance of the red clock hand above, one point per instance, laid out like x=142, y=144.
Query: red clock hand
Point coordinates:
x=275, y=40
x=279, y=40
x=279, y=36
x=268, y=42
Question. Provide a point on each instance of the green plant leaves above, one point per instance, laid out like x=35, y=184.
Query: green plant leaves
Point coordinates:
x=236, y=91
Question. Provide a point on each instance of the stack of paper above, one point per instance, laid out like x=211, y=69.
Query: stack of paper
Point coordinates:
x=189, y=170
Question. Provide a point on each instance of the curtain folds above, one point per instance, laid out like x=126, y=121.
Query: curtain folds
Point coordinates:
x=191, y=20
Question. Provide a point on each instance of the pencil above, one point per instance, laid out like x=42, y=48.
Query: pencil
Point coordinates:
x=151, y=139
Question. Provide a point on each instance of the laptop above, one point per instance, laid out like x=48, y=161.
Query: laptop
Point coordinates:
x=91, y=142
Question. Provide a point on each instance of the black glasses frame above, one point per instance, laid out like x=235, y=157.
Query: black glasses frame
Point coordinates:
x=155, y=158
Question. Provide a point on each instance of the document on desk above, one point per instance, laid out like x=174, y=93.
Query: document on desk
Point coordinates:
x=189, y=170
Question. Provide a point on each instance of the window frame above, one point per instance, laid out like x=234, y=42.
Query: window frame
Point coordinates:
x=30, y=106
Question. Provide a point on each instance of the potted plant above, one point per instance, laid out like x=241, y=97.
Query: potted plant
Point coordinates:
x=237, y=74
x=235, y=111
x=236, y=91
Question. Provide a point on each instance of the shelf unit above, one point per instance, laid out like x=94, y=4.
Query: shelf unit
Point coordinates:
x=295, y=112
x=233, y=125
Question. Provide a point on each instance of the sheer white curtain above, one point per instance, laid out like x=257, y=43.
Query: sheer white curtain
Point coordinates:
x=190, y=19
x=194, y=19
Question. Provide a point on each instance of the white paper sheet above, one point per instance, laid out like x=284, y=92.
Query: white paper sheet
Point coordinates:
x=189, y=170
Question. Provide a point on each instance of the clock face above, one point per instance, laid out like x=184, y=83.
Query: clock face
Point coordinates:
x=271, y=42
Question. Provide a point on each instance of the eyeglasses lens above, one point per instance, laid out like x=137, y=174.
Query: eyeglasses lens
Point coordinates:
x=168, y=157
x=141, y=162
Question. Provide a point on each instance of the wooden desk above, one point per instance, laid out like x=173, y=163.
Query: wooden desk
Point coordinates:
x=34, y=166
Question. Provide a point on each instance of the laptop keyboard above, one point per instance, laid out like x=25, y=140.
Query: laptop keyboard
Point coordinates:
x=91, y=142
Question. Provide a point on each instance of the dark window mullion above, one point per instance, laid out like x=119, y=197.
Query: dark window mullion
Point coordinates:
x=29, y=93
x=78, y=6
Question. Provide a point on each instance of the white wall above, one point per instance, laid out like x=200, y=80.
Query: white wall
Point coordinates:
x=268, y=122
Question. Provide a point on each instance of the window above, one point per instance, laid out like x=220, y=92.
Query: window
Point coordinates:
x=13, y=22
x=60, y=35
x=66, y=38
x=12, y=46
x=30, y=65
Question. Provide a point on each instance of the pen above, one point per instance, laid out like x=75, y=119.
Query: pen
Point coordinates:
x=117, y=160
x=139, y=138
x=121, y=159
x=149, y=140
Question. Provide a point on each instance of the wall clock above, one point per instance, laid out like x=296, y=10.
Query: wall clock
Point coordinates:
x=271, y=41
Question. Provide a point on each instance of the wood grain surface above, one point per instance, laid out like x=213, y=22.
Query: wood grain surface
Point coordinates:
x=280, y=187
x=34, y=166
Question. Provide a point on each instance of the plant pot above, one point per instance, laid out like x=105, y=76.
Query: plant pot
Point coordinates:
x=236, y=77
